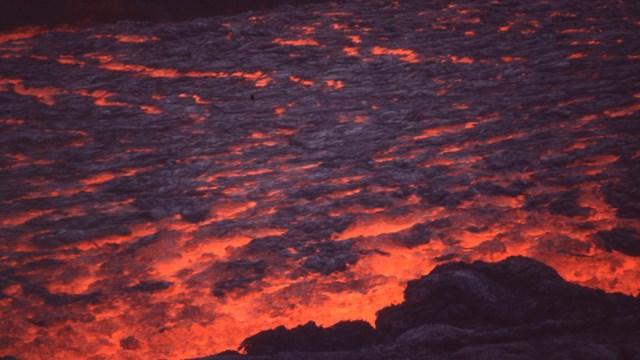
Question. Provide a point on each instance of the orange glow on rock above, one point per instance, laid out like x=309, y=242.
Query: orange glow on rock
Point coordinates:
x=577, y=56
x=70, y=60
x=258, y=77
x=127, y=38
x=375, y=225
x=197, y=99
x=511, y=58
x=108, y=63
x=505, y=27
x=195, y=196
x=99, y=179
x=143, y=70
x=101, y=97
x=351, y=51
x=336, y=84
x=629, y=110
x=461, y=60
x=356, y=39
x=134, y=38
x=574, y=31
x=150, y=109
x=296, y=42
x=306, y=30
x=441, y=130
x=301, y=81
x=335, y=26
x=45, y=95
x=279, y=110
x=22, y=33
x=22, y=217
x=404, y=54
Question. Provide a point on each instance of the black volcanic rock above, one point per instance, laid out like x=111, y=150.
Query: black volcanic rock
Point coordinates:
x=624, y=193
x=130, y=343
x=514, y=292
x=194, y=215
x=517, y=308
x=625, y=240
x=238, y=274
x=560, y=203
x=345, y=335
x=150, y=286
x=329, y=257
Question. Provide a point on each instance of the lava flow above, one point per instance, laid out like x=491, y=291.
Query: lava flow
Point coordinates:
x=171, y=189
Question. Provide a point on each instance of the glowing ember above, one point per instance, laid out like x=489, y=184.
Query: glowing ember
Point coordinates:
x=21, y=34
x=336, y=84
x=351, y=51
x=301, y=81
x=404, y=54
x=297, y=42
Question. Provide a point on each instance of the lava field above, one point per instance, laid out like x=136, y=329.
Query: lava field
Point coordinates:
x=169, y=190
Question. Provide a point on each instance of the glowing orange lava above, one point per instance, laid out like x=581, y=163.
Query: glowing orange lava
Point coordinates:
x=296, y=42
x=170, y=206
x=404, y=54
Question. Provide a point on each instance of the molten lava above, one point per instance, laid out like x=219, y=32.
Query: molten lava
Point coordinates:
x=171, y=189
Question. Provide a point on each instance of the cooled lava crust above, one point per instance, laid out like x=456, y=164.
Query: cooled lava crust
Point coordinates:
x=169, y=190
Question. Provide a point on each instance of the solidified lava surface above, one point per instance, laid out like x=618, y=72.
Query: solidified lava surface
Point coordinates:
x=169, y=190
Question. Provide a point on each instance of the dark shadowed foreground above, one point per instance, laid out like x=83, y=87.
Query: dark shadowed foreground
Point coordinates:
x=517, y=308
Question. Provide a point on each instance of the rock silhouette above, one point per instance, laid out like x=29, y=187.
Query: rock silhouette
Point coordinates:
x=517, y=308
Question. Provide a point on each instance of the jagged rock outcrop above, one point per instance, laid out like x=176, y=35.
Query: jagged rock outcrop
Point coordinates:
x=517, y=308
x=345, y=335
